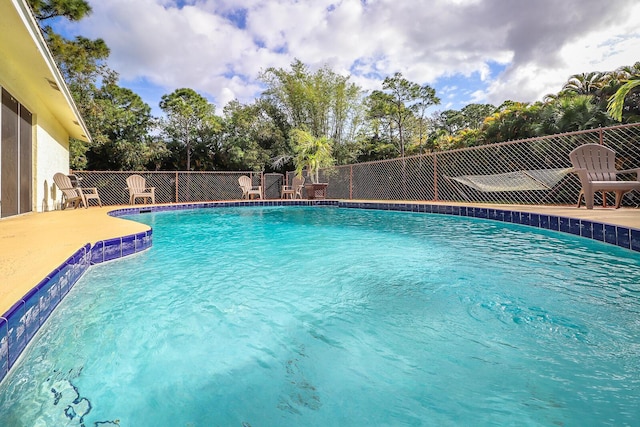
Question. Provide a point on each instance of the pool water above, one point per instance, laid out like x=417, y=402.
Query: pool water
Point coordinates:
x=340, y=317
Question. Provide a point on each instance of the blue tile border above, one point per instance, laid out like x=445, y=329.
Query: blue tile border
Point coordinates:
x=21, y=322
x=4, y=348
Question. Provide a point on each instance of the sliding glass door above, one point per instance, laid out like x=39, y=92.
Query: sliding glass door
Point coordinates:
x=15, y=157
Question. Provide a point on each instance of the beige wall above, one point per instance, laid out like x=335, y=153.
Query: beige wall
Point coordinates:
x=50, y=156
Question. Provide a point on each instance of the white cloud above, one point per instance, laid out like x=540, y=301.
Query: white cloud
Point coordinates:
x=219, y=47
x=603, y=49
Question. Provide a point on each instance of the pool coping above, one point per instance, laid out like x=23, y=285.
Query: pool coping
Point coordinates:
x=21, y=322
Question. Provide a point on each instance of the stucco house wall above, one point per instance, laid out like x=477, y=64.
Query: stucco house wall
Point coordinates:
x=50, y=157
x=29, y=73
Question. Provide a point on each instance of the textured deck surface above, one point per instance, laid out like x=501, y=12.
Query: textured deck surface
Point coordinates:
x=35, y=244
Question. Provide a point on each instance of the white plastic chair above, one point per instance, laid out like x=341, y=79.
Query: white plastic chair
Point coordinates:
x=137, y=187
x=295, y=189
x=596, y=168
x=248, y=189
x=74, y=196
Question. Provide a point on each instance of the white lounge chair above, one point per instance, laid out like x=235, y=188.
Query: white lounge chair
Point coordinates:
x=596, y=168
x=74, y=196
x=295, y=189
x=137, y=187
x=88, y=193
x=248, y=188
x=70, y=195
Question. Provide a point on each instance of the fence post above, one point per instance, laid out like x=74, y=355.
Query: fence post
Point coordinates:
x=351, y=182
x=435, y=177
x=177, y=187
x=601, y=134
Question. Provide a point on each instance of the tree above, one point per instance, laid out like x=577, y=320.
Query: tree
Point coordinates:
x=102, y=104
x=379, y=114
x=400, y=92
x=512, y=120
x=324, y=103
x=584, y=83
x=610, y=90
x=449, y=121
x=578, y=112
x=616, y=104
x=125, y=125
x=426, y=98
x=73, y=10
x=311, y=153
x=190, y=118
x=626, y=98
x=475, y=114
x=457, y=129
x=400, y=105
x=83, y=65
x=249, y=138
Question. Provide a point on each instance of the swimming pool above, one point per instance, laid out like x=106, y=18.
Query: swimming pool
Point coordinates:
x=325, y=316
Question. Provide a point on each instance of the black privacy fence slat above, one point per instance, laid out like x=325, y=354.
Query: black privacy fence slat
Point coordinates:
x=531, y=171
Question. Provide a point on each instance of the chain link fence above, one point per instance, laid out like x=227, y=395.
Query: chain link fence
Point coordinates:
x=177, y=187
x=531, y=171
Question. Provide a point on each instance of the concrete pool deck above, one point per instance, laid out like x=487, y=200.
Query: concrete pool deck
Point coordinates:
x=33, y=245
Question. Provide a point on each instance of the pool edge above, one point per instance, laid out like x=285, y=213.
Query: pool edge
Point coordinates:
x=20, y=323
x=625, y=237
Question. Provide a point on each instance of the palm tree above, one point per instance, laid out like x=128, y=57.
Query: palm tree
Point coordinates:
x=579, y=112
x=584, y=83
x=629, y=71
x=616, y=104
x=311, y=153
x=626, y=98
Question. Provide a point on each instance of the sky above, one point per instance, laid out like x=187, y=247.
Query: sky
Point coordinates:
x=470, y=51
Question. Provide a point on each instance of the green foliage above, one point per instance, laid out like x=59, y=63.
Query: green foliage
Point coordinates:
x=514, y=120
x=311, y=153
x=249, y=137
x=323, y=102
x=400, y=92
x=584, y=83
x=190, y=122
x=471, y=116
x=77, y=154
x=616, y=104
x=73, y=10
x=125, y=122
x=118, y=120
x=397, y=113
x=474, y=115
x=612, y=90
x=579, y=112
x=462, y=139
x=82, y=61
